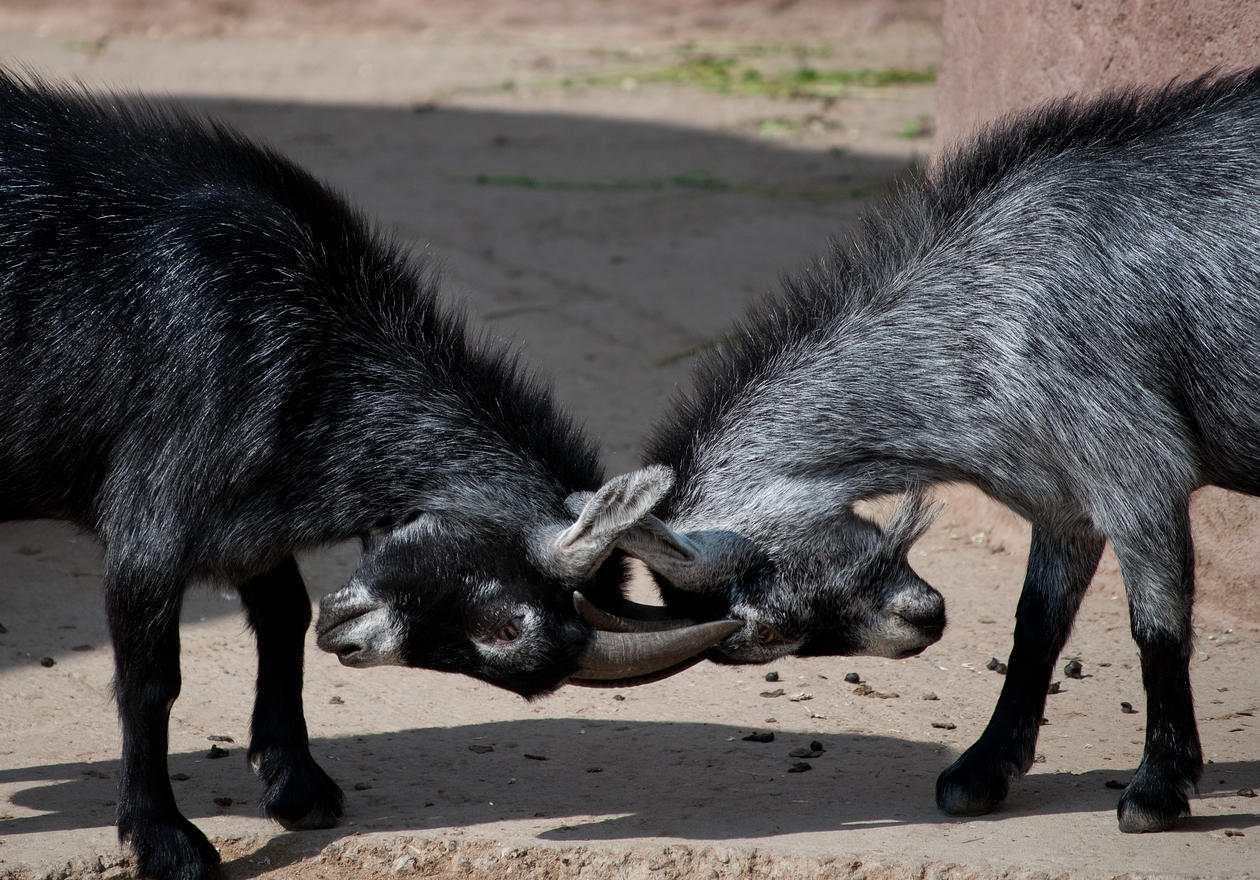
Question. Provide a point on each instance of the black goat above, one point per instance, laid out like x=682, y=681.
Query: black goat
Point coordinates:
x=209, y=361
x=1065, y=314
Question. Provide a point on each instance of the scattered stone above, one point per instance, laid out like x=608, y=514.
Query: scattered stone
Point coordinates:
x=1056, y=687
x=594, y=769
x=3, y=629
x=852, y=678
x=772, y=721
x=1127, y=708
x=800, y=767
x=481, y=748
x=620, y=698
x=777, y=692
x=223, y=801
x=362, y=786
x=1116, y=783
x=760, y=737
x=996, y=665
x=535, y=757
x=180, y=777
x=929, y=696
x=1234, y=832
x=944, y=725
x=1073, y=669
x=804, y=753
x=47, y=662
x=801, y=697
x=1246, y=792
x=216, y=752
x=84, y=647
x=405, y=865
x=220, y=739
x=816, y=745
x=336, y=701
x=1039, y=759
x=772, y=676
x=865, y=690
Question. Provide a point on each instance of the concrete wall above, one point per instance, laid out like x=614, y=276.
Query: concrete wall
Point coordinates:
x=1002, y=55
x=998, y=55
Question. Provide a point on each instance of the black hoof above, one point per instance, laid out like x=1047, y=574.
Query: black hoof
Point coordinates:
x=968, y=788
x=1145, y=808
x=170, y=850
x=299, y=795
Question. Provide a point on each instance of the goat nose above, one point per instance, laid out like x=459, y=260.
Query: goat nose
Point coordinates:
x=922, y=608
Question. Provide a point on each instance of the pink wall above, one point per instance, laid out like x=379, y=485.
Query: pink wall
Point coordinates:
x=1001, y=55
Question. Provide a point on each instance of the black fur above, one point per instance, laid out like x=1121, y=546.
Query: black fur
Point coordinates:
x=210, y=362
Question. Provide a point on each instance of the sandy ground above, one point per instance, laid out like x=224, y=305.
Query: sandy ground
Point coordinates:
x=612, y=226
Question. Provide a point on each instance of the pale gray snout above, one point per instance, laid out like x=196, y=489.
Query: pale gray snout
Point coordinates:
x=358, y=628
x=913, y=619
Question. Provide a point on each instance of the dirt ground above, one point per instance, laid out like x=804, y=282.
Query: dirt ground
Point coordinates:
x=606, y=186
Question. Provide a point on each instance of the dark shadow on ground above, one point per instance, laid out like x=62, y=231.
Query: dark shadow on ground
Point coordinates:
x=637, y=779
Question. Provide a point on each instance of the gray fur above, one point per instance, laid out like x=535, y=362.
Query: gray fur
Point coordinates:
x=1066, y=314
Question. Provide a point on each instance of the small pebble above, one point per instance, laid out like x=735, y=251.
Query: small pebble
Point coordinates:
x=620, y=698
x=362, y=786
x=1127, y=708
x=1246, y=792
x=1115, y=783
x=1056, y=687
x=777, y=692
x=801, y=697
x=223, y=801
x=216, y=752
x=3, y=629
x=220, y=739
x=47, y=662
x=180, y=777
x=804, y=753
x=336, y=701
x=760, y=737
x=997, y=666
x=1073, y=669
x=816, y=745
x=772, y=676
x=594, y=769
x=929, y=696
x=481, y=748
x=535, y=757
x=84, y=647
x=944, y=725
x=1232, y=832
x=800, y=767
x=852, y=678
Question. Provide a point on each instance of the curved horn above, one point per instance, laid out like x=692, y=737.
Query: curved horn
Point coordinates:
x=642, y=618
x=623, y=659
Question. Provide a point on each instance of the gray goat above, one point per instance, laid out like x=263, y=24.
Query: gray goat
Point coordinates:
x=1066, y=314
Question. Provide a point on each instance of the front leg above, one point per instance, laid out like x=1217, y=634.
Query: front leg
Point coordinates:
x=1059, y=570
x=1158, y=568
x=298, y=793
x=143, y=611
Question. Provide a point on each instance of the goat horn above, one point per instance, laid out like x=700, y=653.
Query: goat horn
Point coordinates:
x=641, y=618
x=617, y=659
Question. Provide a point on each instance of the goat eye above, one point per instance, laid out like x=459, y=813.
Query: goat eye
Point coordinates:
x=509, y=631
x=765, y=634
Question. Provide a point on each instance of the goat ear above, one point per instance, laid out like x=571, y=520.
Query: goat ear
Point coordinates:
x=658, y=546
x=910, y=518
x=602, y=517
